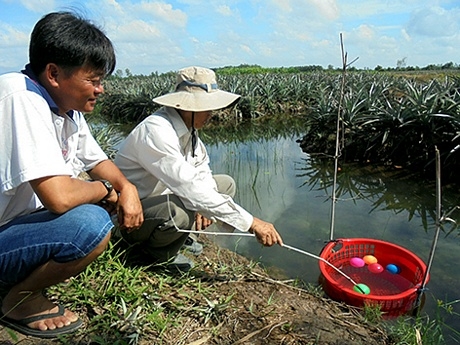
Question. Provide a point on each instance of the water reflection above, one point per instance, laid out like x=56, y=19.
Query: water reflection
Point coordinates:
x=279, y=183
x=394, y=190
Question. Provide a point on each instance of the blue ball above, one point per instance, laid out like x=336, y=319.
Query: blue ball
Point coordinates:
x=393, y=269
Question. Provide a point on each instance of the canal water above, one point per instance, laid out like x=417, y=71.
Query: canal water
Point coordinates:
x=279, y=183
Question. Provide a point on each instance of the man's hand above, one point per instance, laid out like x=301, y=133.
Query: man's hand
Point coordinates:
x=201, y=222
x=265, y=233
x=128, y=205
x=129, y=209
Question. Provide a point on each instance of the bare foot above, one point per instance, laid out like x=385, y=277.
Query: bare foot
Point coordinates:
x=21, y=305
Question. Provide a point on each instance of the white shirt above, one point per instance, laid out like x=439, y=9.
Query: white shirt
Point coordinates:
x=157, y=158
x=36, y=142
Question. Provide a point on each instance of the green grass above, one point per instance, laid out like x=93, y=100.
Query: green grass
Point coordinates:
x=124, y=302
x=422, y=329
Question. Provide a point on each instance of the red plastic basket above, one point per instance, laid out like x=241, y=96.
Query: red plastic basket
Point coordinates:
x=395, y=293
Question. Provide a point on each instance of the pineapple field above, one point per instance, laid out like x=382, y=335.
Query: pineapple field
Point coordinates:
x=386, y=118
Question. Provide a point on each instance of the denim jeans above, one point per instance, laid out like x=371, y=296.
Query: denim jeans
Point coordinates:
x=29, y=241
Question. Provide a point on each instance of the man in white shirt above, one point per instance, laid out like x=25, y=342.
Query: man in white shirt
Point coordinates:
x=52, y=224
x=164, y=157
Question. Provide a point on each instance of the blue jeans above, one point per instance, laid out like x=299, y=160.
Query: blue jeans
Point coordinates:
x=29, y=241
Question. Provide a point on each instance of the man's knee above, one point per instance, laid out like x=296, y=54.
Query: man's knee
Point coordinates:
x=81, y=232
x=225, y=185
x=91, y=227
x=102, y=246
x=161, y=222
x=167, y=212
x=181, y=217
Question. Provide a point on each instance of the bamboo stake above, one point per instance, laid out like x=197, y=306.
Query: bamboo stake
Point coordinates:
x=337, y=136
x=337, y=140
x=436, y=235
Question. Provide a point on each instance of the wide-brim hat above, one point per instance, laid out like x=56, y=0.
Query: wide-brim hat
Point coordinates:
x=197, y=90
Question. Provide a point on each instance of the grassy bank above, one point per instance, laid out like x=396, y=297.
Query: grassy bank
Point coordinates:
x=226, y=299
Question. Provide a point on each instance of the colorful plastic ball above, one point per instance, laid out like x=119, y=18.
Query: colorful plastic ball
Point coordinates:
x=392, y=268
x=362, y=288
x=370, y=259
x=375, y=268
x=357, y=262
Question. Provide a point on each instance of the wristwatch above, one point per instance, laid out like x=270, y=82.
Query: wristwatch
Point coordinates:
x=107, y=186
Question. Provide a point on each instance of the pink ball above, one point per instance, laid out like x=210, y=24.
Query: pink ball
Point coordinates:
x=357, y=262
x=375, y=268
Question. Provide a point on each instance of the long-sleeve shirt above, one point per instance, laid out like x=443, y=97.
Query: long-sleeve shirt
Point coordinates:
x=157, y=158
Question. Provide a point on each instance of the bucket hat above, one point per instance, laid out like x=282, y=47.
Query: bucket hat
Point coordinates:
x=197, y=90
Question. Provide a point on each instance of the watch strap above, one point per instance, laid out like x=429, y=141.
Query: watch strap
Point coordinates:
x=108, y=186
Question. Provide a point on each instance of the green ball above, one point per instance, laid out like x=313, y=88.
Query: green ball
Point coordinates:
x=362, y=288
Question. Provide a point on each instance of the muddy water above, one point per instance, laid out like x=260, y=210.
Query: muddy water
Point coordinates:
x=281, y=184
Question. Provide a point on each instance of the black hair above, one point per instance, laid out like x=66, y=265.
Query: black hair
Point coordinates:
x=70, y=41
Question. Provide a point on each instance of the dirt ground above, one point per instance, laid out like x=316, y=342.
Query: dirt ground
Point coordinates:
x=261, y=310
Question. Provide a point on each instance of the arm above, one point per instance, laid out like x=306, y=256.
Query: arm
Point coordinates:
x=124, y=198
x=61, y=193
x=128, y=205
x=156, y=147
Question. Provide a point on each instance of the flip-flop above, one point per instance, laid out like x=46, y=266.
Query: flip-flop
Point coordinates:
x=21, y=325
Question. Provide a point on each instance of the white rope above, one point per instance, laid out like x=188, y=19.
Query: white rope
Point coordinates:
x=247, y=234
x=323, y=260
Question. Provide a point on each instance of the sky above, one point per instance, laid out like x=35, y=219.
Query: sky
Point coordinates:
x=163, y=36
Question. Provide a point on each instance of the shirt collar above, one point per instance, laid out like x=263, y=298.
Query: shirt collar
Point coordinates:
x=44, y=93
x=177, y=122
